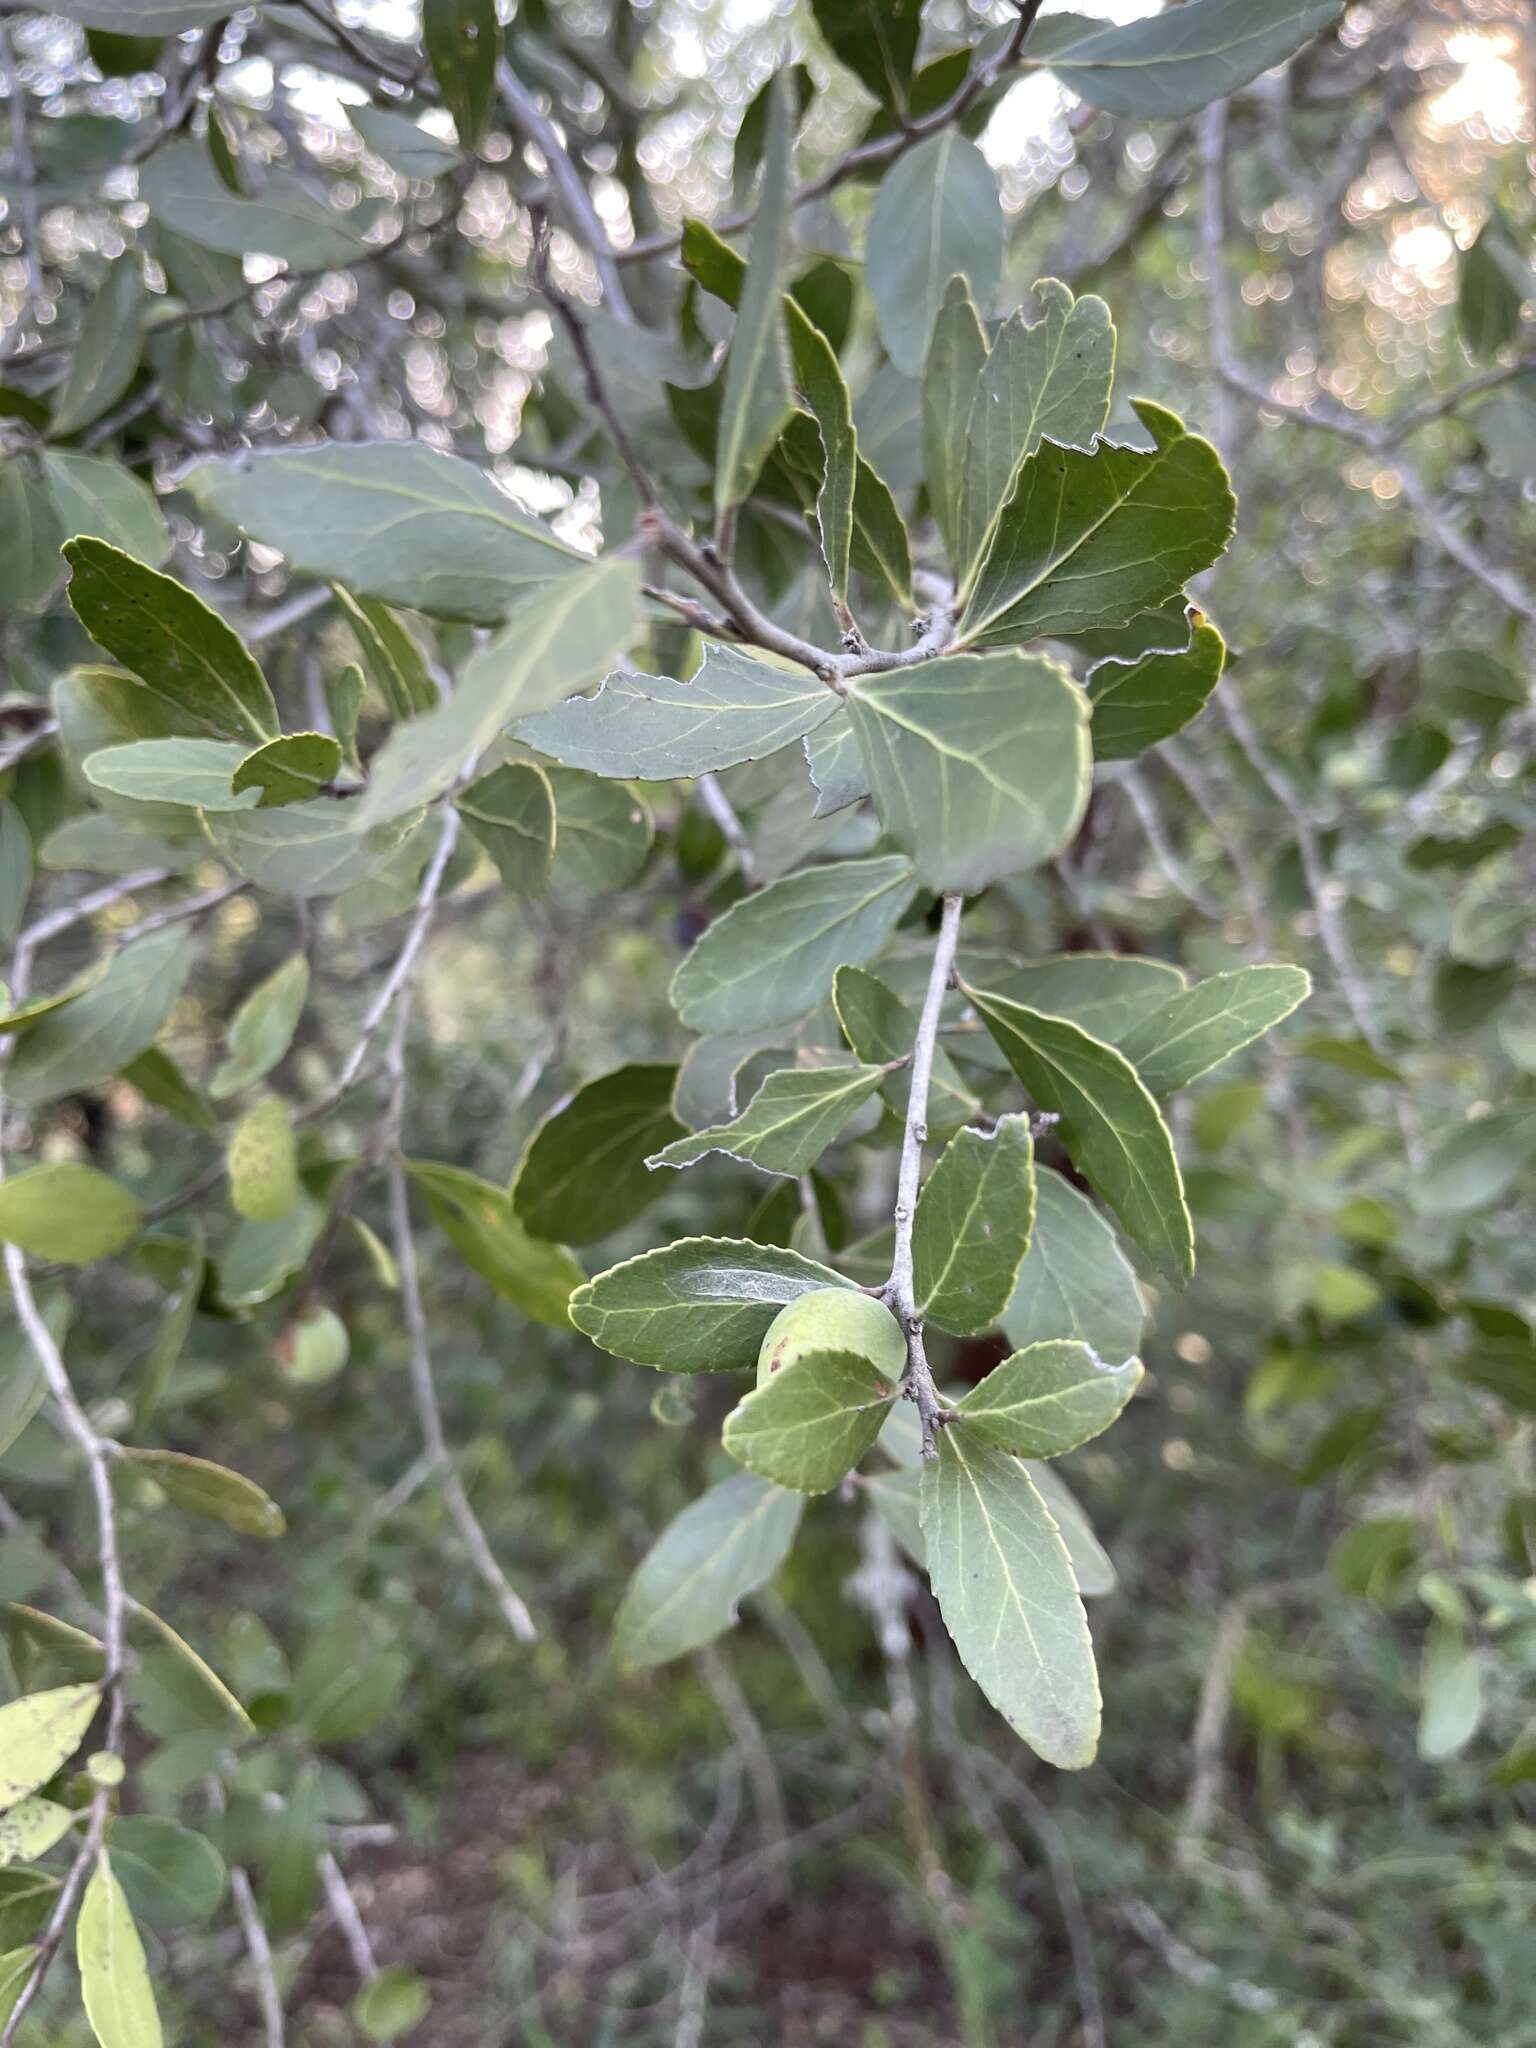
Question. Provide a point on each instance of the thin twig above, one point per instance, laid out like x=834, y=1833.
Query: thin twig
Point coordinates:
x=535, y=126
x=899, y=1290
x=268, y=1994
x=338, y=1896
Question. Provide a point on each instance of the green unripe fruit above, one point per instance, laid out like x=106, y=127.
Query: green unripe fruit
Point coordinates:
x=313, y=1349
x=833, y=1319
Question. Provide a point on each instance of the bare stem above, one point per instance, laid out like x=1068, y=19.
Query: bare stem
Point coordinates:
x=900, y=1290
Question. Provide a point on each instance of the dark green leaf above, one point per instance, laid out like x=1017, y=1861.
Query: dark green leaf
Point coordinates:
x=755, y=401
x=584, y=1173
x=974, y=1218
x=479, y=1221
x=511, y=812
x=109, y=1024
x=289, y=770
x=789, y=1122
x=809, y=1426
x=1134, y=707
x=1047, y=1399
x=1204, y=1025
x=463, y=42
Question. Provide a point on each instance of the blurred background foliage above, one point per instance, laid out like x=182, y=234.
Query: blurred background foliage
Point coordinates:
x=1312, y=1820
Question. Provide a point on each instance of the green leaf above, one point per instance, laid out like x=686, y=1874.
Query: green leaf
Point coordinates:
x=789, y=1122
x=1048, y=379
x=1092, y=1566
x=1075, y=1280
x=702, y=1304
x=1106, y=993
x=559, y=640
x=29, y=538
x=957, y=356
x=836, y=766
x=974, y=1219
x=1476, y=1164
x=1004, y=1583
x=114, y=1978
x=344, y=695
x=390, y=2004
x=289, y=770
x=1204, y=1025
x=16, y=870
x=1451, y=1708
x=511, y=812
x=180, y=648
x=980, y=765
x=194, y=772
x=584, y=1172
x=158, y=18
x=30, y=1829
x=1168, y=65
x=755, y=401
x=805, y=1429
x=102, y=1029
x=1109, y=1123
x=603, y=834
x=462, y=43
x=1047, y=1399
x=261, y=1030
x=315, y=850
x=722, y=1547
x=651, y=729
x=185, y=193
x=1135, y=706
x=881, y=1028
x=16, y=1968
x=937, y=215
x=95, y=496
x=394, y=661
x=183, y=1283
x=26, y=1898
x=23, y=1383
x=480, y=1223
x=877, y=40
x=1494, y=280
x=175, y=1691
x=210, y=1490
x=171, y=1876
x=1089, y=538
x=390, y=520
x=404, y=146
x=38, y=1734
x=772, y=956
x=820, y=382
x=106, y=350
x=262, y=1162
x=67, y=1212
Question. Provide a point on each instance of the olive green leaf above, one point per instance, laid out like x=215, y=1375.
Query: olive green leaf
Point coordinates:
x=67, y=1212
x=185, y=193
x=391, y=2004
x=344, y=695
x=39, y=1733
x=289, y=770
x=171, y=1876
x=690, y=1583
x=603, y=833
x=391, y=520
x=108, y=1024
x=29, y=1830
x=560, y=639
x=105, y=353
x=114, y=1977
x=1004, y=1583
x=877, y=40
x=881, y=1028
x=1089, y=538
x=1109, y=1123
x=805, y=1429
x=755, y=401
x=404, y=145
x=261, y=1030
x=772, y=956
x=258, y=1260
x=480, y=1223
x=93, y=495
x=1047, y=1399
x=1149, y=700
x=973, y=1224
x=209, y=1490
x=173, y=771
x=1201, y=1026
x=584, y=1172
x=1168, y=65
x=1106, y=993
x=1044, y=380
x=178, y=646
x=308, y=850
x=1075, y=1280
x=651, y=729
x=394, y=661
x=789, y=1122
x=937, y=215
x=1494, y=280
x=957, y=355
x=262, y=1162
x=979, y=764
x=511, y=812
x=702, y=1304
x=462, y=43
x=836, y=766
x=1092, y=1566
